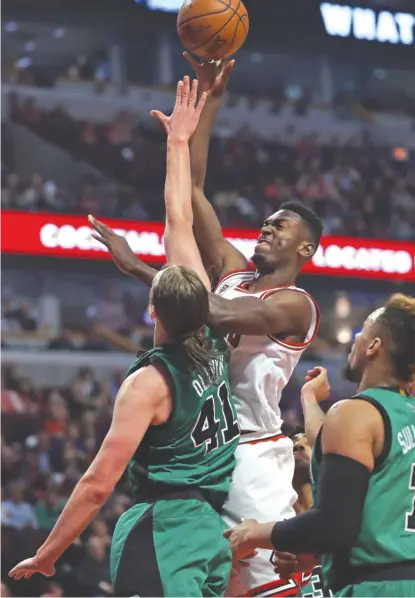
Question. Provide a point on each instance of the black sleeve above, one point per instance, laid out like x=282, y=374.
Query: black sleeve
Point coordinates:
x=334, y=523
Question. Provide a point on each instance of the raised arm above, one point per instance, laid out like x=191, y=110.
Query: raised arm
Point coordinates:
x=218, y=254
x=136, y=405
x=315, y=390
x=179, y=241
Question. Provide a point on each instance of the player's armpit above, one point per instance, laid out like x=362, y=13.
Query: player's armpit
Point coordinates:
x=355, y=429
x=284, y=313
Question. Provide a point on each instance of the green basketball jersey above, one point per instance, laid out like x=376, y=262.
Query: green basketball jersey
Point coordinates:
x=312, y=584
x=195, y=447
x=387, y=534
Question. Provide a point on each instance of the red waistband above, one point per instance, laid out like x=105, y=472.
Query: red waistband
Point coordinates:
x=267, y=439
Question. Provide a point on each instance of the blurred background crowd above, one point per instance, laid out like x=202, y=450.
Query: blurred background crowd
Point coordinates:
x=327, y=120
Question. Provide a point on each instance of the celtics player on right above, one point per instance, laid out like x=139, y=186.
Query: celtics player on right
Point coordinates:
x=363, y=470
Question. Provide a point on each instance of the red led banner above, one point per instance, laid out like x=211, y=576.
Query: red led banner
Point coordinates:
x=57, y=235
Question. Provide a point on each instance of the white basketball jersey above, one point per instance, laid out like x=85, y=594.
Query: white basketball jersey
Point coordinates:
x=261, y=366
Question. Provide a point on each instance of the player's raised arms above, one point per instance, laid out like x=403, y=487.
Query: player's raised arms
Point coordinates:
x=179, y=241
x=218, y=254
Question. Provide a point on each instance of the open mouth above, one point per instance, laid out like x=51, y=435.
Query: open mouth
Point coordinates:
x=263, y=241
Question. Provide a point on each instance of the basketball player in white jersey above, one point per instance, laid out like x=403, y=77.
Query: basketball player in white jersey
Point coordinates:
x=269, y=323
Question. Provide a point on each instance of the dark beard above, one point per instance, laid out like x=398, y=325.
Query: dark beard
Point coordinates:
x=260, y=264
x=349, y=375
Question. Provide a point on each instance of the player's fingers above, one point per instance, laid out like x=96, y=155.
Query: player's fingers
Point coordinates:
x=100, y=226
x=162, y=118
x=227, y=533
x=97, y=237
x=186, y=90
x=202, y=102
x=194, y=63
x=285, y=556
x=193, y=93
x=179, y=94
x=227, y=70
x=28, y=575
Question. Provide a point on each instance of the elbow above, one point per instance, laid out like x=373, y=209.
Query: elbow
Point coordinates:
x=98, y=490
x=341, y=536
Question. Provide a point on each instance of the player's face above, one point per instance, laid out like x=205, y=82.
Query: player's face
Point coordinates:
x=302, y=450
x=365, y=346
x=280, y=241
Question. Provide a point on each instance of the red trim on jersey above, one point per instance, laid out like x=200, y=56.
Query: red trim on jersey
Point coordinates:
x=292, y=345
x=232, y=273
x=268, y=439
x=278, y=587
x=306, y=577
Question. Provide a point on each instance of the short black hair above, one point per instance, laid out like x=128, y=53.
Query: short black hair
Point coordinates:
x=312, y=221
x=398, y=319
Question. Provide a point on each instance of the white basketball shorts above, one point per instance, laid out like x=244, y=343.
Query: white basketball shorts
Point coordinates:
x=261, y=489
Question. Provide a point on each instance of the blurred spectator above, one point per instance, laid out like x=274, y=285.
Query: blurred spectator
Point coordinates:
x=16, y=512
x=357, y=190
x=54, y=590
x=110, y=311
x=17, y=314
x=93, y=572
x=48, y=509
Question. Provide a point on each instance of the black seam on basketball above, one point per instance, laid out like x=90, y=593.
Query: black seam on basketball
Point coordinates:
x=216, y=32
x=206, y=14
x=236, y=30
x=228, y=5
x=234, y=35
x=235, y=10
x=244, y=26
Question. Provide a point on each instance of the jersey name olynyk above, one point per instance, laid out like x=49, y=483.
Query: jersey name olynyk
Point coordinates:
x=261, y=366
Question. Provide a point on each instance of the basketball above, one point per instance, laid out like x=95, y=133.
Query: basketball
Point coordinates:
x=213, y=29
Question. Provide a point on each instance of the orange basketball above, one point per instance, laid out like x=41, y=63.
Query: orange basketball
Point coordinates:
x=213, y=29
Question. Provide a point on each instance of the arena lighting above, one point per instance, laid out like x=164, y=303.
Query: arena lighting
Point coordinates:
x=366, y=24
x=342, y=306
x=165, y=5
x=57, y=235
x=344, y=335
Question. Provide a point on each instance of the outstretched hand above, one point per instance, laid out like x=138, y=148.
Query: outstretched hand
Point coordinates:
x=121, y=252
x=213, y=76
x=181, y=125
x=30, y=566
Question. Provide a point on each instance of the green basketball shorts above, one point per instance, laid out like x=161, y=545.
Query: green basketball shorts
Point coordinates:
x=380, y=589
x=170, y=548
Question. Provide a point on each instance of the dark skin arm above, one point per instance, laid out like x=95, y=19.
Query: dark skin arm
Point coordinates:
x=219, y=256
x=286, y=313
